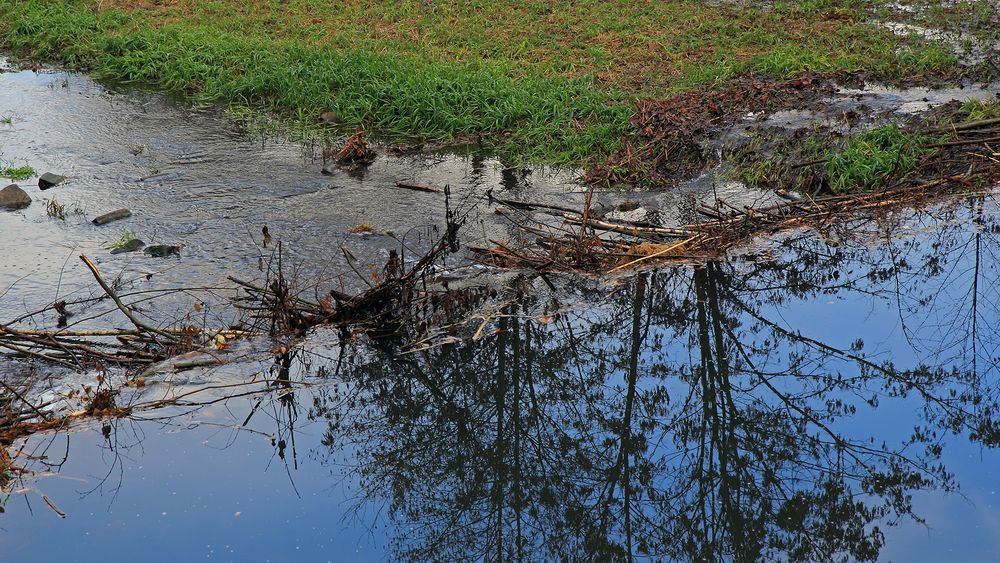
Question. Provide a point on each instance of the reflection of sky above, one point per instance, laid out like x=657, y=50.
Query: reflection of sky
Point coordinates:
x=186, y=495
x=183, y=488
x=958, y=529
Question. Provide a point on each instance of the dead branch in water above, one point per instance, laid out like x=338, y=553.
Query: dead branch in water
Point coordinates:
x=624, y=245
x=82, y=350
x=121, y=306
x=382, y=305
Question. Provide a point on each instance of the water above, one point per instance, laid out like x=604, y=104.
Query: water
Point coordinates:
x=828, y=395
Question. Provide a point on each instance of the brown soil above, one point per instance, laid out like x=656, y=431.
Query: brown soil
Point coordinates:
x=668, y=135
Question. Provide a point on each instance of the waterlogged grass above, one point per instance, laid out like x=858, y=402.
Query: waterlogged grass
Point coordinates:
x=125, y=239
x=552, y=81
x=18, y=173
x=869, y=159
x=824, y=161
x=56, y=210
x=982, y=109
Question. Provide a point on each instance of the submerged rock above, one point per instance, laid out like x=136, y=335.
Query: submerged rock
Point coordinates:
x=50, y=180
x=13, y=197
x=161, y=250
x=131, y=246
x=112, y=216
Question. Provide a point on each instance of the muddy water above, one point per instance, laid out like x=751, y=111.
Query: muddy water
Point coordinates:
x=830, y=396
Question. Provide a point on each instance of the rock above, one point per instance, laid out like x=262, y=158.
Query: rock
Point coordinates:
x=113, y=216
x=628, y=205
x=13, y=197
x=131, y=246
x=50, y=180
x=329, y=170
x=161, y=250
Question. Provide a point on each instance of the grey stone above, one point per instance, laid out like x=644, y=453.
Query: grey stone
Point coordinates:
x=50, y=180
x=329, y=170
x=13, y=197
x=112, y=216
x=161, y=250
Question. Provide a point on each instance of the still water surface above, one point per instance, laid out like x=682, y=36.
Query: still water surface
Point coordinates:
x=826, y=396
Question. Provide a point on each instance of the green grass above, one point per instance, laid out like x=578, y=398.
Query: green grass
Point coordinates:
x=823, y=160
x=869, y=159
x=18, y=173
x=545, y=81
x=982, y=109
x=124, y=239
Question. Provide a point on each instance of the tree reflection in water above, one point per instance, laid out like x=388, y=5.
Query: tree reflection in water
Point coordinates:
x=684, y=416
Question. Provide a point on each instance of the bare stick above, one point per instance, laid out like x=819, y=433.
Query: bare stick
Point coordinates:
x=121, y=306
x=963, y=126
x=41, y=356
x=417, y=187
x=25, y=401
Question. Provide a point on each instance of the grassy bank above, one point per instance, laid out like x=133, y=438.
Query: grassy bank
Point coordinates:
x=549, y=81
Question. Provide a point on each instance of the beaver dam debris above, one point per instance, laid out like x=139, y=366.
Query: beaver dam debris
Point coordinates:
x=356, y=151
x=556, y=238
x=401, y=301
x=271, y=307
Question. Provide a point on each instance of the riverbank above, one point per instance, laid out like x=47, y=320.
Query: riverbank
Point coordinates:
x=568, y=412
x=554, y=82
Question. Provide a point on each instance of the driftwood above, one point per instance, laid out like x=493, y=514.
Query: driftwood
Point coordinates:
x=626, y=245
x=614, y=245
x=88, y=349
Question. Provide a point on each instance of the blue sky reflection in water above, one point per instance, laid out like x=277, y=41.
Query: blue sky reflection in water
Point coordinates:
x=831, y=397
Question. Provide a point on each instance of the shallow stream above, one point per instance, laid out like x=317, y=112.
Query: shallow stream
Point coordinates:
x=827, y=395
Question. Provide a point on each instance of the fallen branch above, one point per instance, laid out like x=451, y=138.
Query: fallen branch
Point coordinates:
x=121, y=306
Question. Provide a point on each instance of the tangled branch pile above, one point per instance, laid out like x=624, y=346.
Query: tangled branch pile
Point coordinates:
x=563, y=239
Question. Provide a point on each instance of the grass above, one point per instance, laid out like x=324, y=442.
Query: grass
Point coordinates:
x=545, y=81
x=17, y=174
x=56, y=210
x=982, y=109
x=867, y=160
x=770, y=160
x=824, y=160
x=124, y=240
